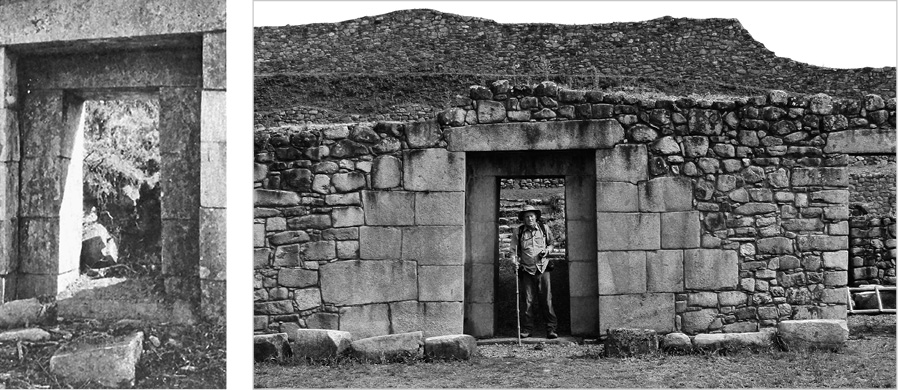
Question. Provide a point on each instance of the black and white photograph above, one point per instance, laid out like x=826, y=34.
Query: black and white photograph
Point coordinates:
x=573, y=194
x=112, y=194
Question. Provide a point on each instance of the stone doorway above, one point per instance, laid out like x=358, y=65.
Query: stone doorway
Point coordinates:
x=484, y=169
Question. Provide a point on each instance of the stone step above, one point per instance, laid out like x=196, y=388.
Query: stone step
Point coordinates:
x=561, y=340
x=111, y=363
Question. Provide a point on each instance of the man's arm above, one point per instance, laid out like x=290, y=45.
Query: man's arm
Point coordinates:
x=550, y=240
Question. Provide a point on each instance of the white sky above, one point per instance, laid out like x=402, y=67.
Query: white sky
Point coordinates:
x=837, y=34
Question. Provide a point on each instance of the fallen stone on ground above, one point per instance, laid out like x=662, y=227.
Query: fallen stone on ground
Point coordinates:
x=712, y=341
x=813, y=334
x=676, y=342
x=110, y=362
x=23, y=312
x=30, y=334
x=459, y=346
x=388, y=347
x=320, y=343
x=271, y=347
x=630, y=342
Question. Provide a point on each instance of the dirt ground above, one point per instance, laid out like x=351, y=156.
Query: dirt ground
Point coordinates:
x=867, y=361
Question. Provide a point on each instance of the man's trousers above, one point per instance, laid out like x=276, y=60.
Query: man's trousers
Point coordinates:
x=533, y=286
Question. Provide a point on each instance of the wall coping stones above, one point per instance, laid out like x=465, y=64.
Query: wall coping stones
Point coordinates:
x=553, y=135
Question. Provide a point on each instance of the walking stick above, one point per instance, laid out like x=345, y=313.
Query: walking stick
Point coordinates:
x=517, y=306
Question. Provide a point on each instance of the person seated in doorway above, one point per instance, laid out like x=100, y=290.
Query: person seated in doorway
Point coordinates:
x=532, y=243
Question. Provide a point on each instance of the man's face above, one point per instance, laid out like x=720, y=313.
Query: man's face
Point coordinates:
x=530, y=218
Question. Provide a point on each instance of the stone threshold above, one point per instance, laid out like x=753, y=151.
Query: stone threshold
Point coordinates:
x=561, y=340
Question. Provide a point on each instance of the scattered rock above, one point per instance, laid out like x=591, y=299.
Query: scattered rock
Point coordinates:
x=388, y=347
x=460, y=346
x=98, y=248
x=676, y=342
x=320, y=343
x=30, y=334
x=622, y=342
x=23, y=312
x=271, y=347
x=111, y=363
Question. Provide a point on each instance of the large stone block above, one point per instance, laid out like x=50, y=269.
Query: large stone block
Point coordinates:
x=628, y=231
x=383, y=281
x=433, y=170
x=550, y=135
x=581, y=238
x=34, y=285
x=348, y=216
x=625, y=342
x=434, y=245
x=643, y=311
x=680, y=230
x=775, y=246
x=453, y=347
x=214, y=300
x=423, y=134
x=666, y=193
x=710, y=269
x=110, y=363
x=213, y=188
x=42, y=186
x=822, y=243
x=213, y=118
x=664, y=271
x=179, y=127
x=432, y=318
x=584, y=278
x=19, y=313
x=214, y=61
x=820, y=176
x=271, y=347
x=39, y=246
x=392, y=208
x=320, y=343
x=861, y=141
x=479, y=319
x=717, y=341
x=365, y=321
x=813, y=334
x=585, y=316
x=376, y=243
x=621, y=272
x=440, y=208
x=441, y=283
x=9, y=190
x=213, y=244
x=698, y=321
x=479, y=283
x=10, y=149
x=275, y=198
x=626, y=163
x=44, y=130
x=388, y=347
x=386, y=172
x=9, y=247
x=614, y=196
x=483, y=242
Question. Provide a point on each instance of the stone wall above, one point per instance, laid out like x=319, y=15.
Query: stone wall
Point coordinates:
x=871, y=181
x=530, y=183
x=872, y=249
x=709, y=215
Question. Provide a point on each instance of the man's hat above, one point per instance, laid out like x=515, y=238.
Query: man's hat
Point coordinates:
x=529, y=208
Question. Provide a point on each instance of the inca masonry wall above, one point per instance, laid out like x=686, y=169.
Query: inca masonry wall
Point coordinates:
x=723, y=216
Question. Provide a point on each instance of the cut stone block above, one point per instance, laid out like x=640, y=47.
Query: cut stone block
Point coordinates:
x=23, y=312
x=664, y=271
x=480, y=283
x=612, y=196
x=271, y=347
x=583, y=278
x=377, y=243
x=643, y=311
x=440, y=208
x=323, y=321
x=433, y=170
x=30, y=334
x=813, y=334
x=320, y=343
x=732, y=341
x=823, y=176
x=585, y=316
x=479, y=319
x=453, y=347
x=432, y=318
x=366, y=320
x=666, y=193
x=434, y=245
x=550, y=135
x=275, y=198
x=388, y=347
x=698, y=321
x=710, y=269
x=348, y=216
x=214, y=61
x=441, y=283
x=626, y=163
x=384, y=281
x=213, y=187
x=628, y=231
x=680, y=230
x=626, y=342
x=110, y=363
x=423, y=134
x=822, y=243
x=581, y=238
x=212, y=243
x=391, y=208
x=621, y=272
x=861, y=141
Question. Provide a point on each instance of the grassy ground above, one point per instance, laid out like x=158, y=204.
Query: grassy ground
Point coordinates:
x=867, y=361
x=186, y=357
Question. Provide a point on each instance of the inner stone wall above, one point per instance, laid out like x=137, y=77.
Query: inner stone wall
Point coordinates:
x=710, y=216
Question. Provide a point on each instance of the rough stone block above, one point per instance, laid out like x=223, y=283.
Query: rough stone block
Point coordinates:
x=710, y=269
x=348, y=182
x=14, y=314
x=834, y=312
x=39, y=247
x=628, y=231
x=441, y=283
x=275, y=198
x=432, y=318
x=9, y=190
x=291, y=277
x=698, y=321
x=323, y=321
x=835, y=278
x=813, y=334
x=318, y=251
x=733, y=341
x=111, y=363
x=386, y=172
x=822, y=176
x=775, y=246
x=626, y=342
x=365, y=321
x=835, y=295
x=622, y=272
x=666, y=193
x=680, y=230
x=664, y=271
x=434, y=245
x=836, y=260
x=44, y=133
x=351, y=199
x=451, y=347
x=643, y=311
x=433, y=170
x=861, y=141
x=676, y=342
x=392, y=208
x=348, y=216
x=28, y=335
x=388, y=347
x=423, y=134
x=320, y=343
x=822, y=243
x=384, y=281
x=213, y=243
x=271, y=347
x=614, y=196
x=440, y=208
x=626, y=163
x=549, y=135
x=377, y=243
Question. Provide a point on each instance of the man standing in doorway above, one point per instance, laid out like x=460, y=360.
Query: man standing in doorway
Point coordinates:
x=532, y=244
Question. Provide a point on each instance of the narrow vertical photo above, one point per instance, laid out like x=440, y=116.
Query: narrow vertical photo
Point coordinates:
x=573, y=194
x=112, y=194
